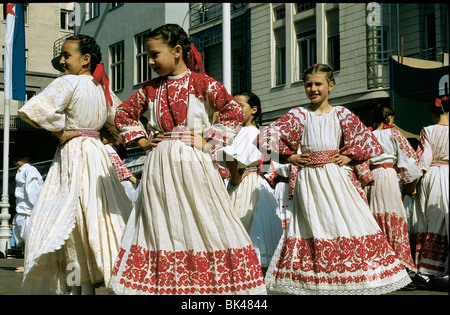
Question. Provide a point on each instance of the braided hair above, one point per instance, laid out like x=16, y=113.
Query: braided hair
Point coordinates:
x=172, y=35
x=439, y=106
x=88, y=45
x=253, y=100
x=320, y=68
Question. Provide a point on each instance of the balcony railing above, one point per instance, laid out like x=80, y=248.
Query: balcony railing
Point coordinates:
x=15, y=123
x=200, y=13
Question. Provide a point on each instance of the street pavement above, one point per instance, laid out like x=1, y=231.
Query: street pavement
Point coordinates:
x=11, y=282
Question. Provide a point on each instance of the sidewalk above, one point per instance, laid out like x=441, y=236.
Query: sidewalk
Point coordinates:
x=11, y=282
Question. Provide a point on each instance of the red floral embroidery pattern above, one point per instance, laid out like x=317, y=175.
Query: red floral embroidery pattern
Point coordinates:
x=433, y=248
x=404, y=145
x=396, y=230
x=350, y=257
x=188, y=272
x=119, y=167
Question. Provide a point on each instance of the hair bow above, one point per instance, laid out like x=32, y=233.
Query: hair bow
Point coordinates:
x=101, y=77
x=195, y=60
x=438, y=101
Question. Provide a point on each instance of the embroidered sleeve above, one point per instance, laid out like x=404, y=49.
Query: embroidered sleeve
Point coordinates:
x=127, y=117
x=424, y=151
x=230, y=117
x=33, y=185
x=359, y=142
x=123, y=173
x=282, y=137
x=46, y=109
x=407, y=165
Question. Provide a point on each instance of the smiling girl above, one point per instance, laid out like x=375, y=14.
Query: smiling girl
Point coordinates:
x=333, y=244
x=78, y=220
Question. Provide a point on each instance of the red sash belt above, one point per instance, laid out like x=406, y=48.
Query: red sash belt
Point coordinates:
x=319, y=158
x=384, y=165
x=85, y=132
x=439, y=163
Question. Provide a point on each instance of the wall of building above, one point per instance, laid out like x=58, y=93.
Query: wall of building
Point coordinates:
x=122, y=23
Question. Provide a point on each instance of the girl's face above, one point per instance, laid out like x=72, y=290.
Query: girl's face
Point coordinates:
x=317, y=88
x=163, y=59
x=248, y=110
x=72, y=60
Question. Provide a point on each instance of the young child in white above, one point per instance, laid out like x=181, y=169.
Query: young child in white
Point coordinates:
x=397, y=165
x=251, y=195
x=430, y=210
x=78, y=220
x=29, y=183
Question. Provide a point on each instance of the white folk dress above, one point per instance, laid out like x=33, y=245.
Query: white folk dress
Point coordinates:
x=279, y=175
x=183, y=236
x=253, y=199
x=333, y=244
x=430, y=210
x=397, y=165
x=29, y=183
x=77, y=223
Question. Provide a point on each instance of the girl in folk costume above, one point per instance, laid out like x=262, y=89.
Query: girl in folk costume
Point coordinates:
x=398, y=163
x=333, y=244
x=182, y=236
x=251, y=195
x=430, y=210
x=77, y=222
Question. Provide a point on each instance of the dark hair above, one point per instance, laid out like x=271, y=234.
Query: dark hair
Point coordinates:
x=381, y=113
x=88, y=45
x=320, y=68
x=439, y=106
x=253, y=100
x=172, y=35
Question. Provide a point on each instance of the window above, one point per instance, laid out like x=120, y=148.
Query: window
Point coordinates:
x=66, y=22
x=115, y=4
x=117, y=66
x=301, y=7
x=142, y=69
x=306, y=44
x=280, y=56
x=333, y=52
x=279, y=12
x=92, y=10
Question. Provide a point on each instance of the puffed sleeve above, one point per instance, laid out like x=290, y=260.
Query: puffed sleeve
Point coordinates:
x=46, y=109
x=127, y=117
x=359, y=142
x=230, y=113
x=282, y=137
x=33, y=184
x=407, y=165
x=424, y=151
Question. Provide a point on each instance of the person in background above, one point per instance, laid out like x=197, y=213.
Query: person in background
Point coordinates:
x=430, y=210
x=29, y=183
x=398, y=164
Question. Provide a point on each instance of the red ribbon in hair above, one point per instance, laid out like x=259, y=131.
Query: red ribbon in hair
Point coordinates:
x=101, y=77
x=195, y=60
x=438, y=101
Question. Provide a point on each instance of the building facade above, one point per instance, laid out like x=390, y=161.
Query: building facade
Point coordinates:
x=356, y=39
x=120, y=30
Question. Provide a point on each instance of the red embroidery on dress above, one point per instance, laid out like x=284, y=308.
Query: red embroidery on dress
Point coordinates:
x=396, y=230
x=187, y=272
x=434, y=248
x=410, y=153
x=346, y=256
